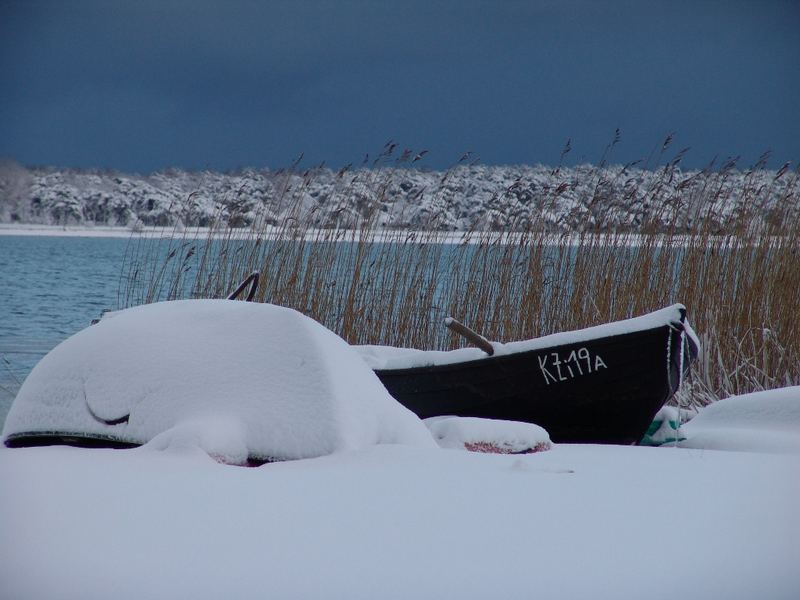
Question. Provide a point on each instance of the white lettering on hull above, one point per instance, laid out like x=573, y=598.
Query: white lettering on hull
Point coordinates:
x=556, y=368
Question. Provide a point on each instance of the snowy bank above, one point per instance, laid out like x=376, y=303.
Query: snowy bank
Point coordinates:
x=766, y=421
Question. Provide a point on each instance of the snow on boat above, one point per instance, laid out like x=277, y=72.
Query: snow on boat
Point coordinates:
x=603, y=384
x=245, y=382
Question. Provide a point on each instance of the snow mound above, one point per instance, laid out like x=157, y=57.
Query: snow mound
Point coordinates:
x=221, y=438
x=235, y=378
x=766, y=421
x=488, y=435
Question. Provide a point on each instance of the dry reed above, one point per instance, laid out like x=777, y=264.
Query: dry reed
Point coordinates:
x=378, y=286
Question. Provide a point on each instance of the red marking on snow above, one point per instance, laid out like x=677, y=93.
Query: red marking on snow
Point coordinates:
x=494, y=448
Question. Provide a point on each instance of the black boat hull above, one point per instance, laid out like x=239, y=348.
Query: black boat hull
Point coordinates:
x=604, y=390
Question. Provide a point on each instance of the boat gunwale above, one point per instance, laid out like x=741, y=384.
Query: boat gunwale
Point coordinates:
x=41, y=439
x=64, y=438
x=500, y=358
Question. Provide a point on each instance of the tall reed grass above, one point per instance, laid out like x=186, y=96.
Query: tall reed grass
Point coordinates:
x=374, y=285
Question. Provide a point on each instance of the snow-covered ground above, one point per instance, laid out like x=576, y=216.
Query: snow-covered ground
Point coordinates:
x=383, y=505
x=400, y=522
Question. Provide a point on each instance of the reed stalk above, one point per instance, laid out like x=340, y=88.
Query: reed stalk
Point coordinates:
x=337, y=263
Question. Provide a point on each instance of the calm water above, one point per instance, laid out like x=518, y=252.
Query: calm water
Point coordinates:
x=50, y=288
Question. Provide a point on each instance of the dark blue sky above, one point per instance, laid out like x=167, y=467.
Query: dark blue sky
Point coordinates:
x=141, y=86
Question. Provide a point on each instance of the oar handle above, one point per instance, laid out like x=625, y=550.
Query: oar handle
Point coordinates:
x=474, y=337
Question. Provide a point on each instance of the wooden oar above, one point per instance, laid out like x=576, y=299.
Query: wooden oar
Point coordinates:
x=474, y=337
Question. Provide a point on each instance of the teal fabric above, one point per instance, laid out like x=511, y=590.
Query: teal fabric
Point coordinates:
x=662, y=432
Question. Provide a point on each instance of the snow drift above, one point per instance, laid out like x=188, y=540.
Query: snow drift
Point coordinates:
x=767, y=421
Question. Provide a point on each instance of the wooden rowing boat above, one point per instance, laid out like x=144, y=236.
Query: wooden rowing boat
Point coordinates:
x=599, y=385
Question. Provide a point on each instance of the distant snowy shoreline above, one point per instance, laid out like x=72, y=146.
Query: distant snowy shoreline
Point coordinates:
x=345, y=236
x=499, y=198
x=35, y=229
